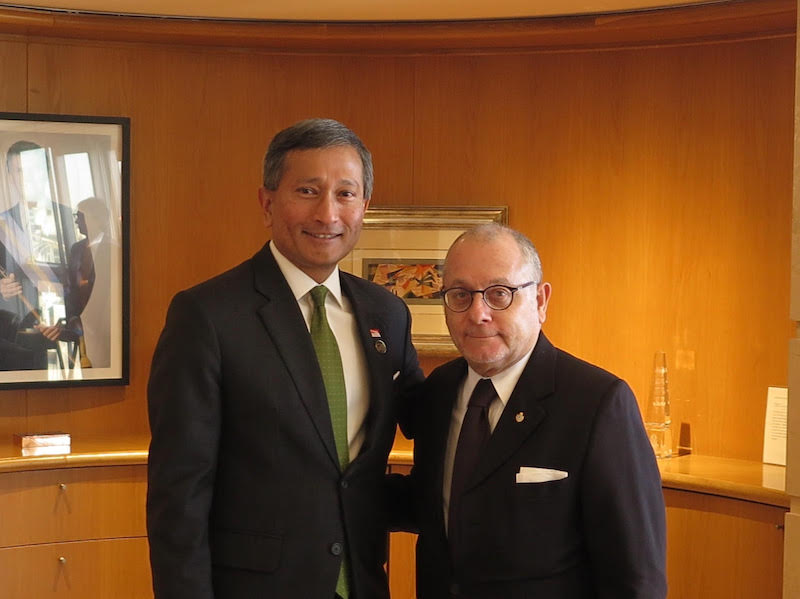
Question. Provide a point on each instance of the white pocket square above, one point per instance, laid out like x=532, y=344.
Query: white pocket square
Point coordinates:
x=530, y=474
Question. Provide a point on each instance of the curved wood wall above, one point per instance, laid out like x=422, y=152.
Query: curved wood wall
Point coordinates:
x=649, y=157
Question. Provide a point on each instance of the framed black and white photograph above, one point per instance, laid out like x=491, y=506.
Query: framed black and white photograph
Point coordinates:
x=64, y=250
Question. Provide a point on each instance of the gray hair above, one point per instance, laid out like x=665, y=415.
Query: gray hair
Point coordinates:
x=313, y=134
x=493, y=231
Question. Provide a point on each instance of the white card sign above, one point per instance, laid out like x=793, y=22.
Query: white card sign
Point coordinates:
x=775, y=426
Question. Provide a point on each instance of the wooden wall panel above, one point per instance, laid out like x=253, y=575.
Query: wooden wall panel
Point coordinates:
x=656, y=184
x=655, y=181
x=13, y=92
x=723, y=20
x=200, y=123
x=13, y=75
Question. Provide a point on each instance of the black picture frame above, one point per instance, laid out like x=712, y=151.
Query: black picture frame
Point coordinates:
x=64, y=250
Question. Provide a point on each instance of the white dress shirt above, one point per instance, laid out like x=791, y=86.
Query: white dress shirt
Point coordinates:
x=504, y=383
x=342, y=321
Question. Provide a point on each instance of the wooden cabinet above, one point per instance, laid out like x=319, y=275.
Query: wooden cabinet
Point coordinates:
x=724, y=529
x=723, y=548
x=70, y=504
x=84, y=569
x=75, y=527
x=401, y=565
x=74, y=532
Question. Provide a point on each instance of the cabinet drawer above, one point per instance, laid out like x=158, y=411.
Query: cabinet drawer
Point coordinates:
x=116, y=568
x=44, y=506
x=718, y=547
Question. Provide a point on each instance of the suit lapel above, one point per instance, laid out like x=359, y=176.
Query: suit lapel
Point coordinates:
x=370, y=322
x=285, y=324
x=523, y=412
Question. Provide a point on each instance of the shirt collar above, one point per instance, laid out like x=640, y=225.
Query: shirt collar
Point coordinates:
x=300, y=283
x=504, y=382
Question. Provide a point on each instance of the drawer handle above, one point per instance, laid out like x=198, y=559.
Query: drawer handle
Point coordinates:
x=62, y=487
x=62, y=560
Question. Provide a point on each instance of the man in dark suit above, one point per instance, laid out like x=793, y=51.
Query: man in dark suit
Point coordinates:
x=267, y=465
x=533, y=476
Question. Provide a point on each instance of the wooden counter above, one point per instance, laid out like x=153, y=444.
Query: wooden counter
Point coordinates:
x=724, y=528
x=64, y=515
x=85, y=453
x=74, y=525
x=735, y=479
x=723, y=477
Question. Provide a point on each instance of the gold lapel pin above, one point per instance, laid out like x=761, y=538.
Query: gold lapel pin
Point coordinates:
x=520, y=416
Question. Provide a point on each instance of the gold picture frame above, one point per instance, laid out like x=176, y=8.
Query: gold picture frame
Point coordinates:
x=403, y=248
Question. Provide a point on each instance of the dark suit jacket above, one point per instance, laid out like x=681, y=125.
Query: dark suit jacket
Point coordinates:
x=600, y=532
x=245, y=494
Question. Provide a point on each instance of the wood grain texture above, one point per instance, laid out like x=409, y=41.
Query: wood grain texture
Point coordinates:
x=791, y=557
x=717, y=547
x=75, y=532
x=722, y=548
x=656, y=182
x=200, y=124
x=657, y=187
x=102, y=568
x=13, y=75
x=720, y=20
x=72, y=504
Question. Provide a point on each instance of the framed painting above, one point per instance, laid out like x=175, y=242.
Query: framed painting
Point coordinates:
x=64, y=250
x=403, y=248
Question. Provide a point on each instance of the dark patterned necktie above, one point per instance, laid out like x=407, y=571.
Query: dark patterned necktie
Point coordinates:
x=471, y=440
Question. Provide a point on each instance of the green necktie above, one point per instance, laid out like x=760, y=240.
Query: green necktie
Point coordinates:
x=330, y=363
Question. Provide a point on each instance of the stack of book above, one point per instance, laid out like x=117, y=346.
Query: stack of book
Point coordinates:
x=32, y=444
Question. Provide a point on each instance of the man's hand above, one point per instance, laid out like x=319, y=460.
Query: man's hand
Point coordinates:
x=10, y=287
x=51, y=332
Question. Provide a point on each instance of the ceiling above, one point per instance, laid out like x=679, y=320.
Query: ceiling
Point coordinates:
x=355, y=10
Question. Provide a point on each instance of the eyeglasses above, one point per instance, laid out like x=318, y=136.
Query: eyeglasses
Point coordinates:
x=497, y=297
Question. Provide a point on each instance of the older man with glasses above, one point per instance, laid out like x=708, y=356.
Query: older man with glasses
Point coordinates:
x=533, y=475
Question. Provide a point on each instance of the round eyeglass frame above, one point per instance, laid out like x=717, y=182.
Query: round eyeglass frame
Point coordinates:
x=472, y=293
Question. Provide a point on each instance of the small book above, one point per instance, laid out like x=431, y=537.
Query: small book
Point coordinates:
x=40, y=440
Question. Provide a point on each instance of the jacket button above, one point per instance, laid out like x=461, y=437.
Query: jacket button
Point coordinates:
x=336, y=549
x=455, y=589
x=344, y=484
